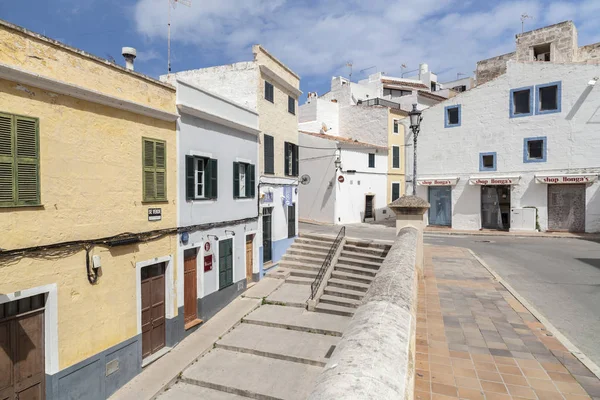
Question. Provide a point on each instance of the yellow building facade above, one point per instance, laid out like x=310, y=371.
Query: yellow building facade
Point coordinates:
x=396, y=150
x=85, y=166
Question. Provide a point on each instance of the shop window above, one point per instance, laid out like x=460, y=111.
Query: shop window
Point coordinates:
x=521, y=102
x=487, y=161
x=452, y=116
x=548, y=98
x=534, y=149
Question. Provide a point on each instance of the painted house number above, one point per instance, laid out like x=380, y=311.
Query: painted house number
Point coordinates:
x=154, y=214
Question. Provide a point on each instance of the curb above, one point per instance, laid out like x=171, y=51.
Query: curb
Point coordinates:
x=595, y=369
x=512, y=235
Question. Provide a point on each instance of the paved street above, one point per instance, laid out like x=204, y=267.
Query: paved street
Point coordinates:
x=559, y=277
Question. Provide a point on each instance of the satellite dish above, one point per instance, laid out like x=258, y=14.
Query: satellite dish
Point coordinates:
x=324, y=128
x=305, y=179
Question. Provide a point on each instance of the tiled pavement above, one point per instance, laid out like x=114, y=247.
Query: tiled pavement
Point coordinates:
x=476, y=341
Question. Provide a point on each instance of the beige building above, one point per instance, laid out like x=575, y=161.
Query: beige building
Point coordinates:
x=270, y=88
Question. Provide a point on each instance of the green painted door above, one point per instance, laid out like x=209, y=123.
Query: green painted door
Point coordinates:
x=225, y=263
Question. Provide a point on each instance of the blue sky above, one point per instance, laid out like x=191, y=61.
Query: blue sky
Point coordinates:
x=314, y=38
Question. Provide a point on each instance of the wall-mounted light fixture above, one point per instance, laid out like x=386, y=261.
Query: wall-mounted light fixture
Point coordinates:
x=232, y=232
x=338, y=160
x=215, y=236
x=593, y=81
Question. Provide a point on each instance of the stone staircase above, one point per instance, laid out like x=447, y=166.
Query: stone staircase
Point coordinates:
x=356, y=267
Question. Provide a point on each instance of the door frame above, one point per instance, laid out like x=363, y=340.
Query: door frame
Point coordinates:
x=585, y=207
x=169, y=288
x=50, y=322
x=510, y=192
x=255, y=258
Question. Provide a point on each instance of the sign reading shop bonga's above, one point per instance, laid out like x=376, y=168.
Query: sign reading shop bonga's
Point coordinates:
x=508, y=180
x=437, y=182
x=566, y=179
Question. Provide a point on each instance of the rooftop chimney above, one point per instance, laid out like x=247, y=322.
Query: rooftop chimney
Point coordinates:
x=129, y=53
x=423, y=69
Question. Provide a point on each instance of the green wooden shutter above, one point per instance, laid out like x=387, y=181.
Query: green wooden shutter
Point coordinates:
x=155, y=170
x=286, y=158
x=236, y=180
x=269, y=155
x=27, y=161
x=161, y=170
x=148, y=179
x=295, y=165
x=7, y=181
x=213, y=178
x=190, y=177
x=396, y=157
x=251, y=179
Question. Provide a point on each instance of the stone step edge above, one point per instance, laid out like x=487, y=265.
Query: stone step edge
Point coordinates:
x=227, y=389
x=267, y=354
x=299, y=328
x=335, y=309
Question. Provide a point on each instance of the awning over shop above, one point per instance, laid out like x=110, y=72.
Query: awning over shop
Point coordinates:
x=437, y=181
x=494, y=180
x=567, y=178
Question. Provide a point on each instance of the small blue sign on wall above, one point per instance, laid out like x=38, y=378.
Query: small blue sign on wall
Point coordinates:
x=268, y=197
x=287, y=194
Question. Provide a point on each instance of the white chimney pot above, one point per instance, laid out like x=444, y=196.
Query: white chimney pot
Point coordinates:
x=129, y=53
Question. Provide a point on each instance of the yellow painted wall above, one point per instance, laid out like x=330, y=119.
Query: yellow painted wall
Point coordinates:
x=274, y=118
x=33, y=53
x=395, y=175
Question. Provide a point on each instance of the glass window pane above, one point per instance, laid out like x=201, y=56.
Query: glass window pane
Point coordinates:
x=521, y=102
x=548, y=98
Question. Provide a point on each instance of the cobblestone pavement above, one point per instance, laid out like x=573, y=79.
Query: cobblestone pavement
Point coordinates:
x=476, y=341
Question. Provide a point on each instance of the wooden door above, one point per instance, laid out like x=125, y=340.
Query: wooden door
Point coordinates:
x=249, y=257
x=22, y=364
x=267, y=239
x=292, y=221
x=566, y=208
x=369, y=206
x=153, y=309
x=225, y=263
x=190, y=287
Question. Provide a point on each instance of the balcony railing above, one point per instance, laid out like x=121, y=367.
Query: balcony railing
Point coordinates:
x=379, y=102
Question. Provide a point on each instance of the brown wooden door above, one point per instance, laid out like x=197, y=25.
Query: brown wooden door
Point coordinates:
x=190, y=287
x=153, y=309
x=249, y=257
x=22, y=364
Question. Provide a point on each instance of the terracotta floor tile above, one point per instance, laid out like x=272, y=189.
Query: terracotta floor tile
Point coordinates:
x=515, y=380
x=530, y=364
x=548, y=395
x=422, y=395
x=505, y=360
x=424, y=365
x=484, y=366
x=542, y=384
x=421, y=357
x=465, y=372
x=439, y=368
x=509, y=369
x=462, y=363
x=419, y=373
x=469, y=383
x=437, y=396
x=554, y=367
x=423, y=385
x=495, y=387
x=496, y=396
x=576, y=397
x=489, y=376
x=446, y=390
x=433, y=344
x=446, y=379
x=439, y=360
x=482, y=358
x=443, y=352
x=460, y=354
x=470, y=394
x=521, y=391
x=535, y=373
x=569, y=387
x=557, y=376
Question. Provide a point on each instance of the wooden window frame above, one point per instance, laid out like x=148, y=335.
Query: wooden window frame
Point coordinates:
x=210, y=177
x=249, y=177
x=155, y=170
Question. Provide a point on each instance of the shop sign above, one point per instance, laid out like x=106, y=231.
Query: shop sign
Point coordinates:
x=562, y=179
x=437, y=182
x=208, y=263
x=494, y=181
x=268, y=197
x=287, y=195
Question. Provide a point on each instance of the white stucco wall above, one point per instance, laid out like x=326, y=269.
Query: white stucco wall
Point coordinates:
x=318, y=112
x=367, y=124
x=573, y=142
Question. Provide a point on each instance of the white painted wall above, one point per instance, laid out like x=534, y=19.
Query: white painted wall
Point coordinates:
x=573, y=142
x=318, y=112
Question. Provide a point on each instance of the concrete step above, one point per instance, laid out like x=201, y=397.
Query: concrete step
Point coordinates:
x=371, y=244
x=339, y=301
x=366, y=250
x=297, y=319
x=291, y=294
x=278, y=273
x=358, y=263
x=244, y=375
x=305, y=252
x=304, y=273
x=352, y=277
x=345, y=293
x=281, y=344
x=290, y=265
x=334, y=309
x=299, y=280
x=313, y=242
x=361, y=256
x=344, y=284
x=318, y=247
x=317, y=237
x=355, y=270
x=185, y=391
x=304, y=258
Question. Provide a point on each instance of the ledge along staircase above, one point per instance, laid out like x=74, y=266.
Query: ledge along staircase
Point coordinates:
x=339, y=269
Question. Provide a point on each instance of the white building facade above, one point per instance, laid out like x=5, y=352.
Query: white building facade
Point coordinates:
x=217, y=201
x=353, y=193
x=519, y=152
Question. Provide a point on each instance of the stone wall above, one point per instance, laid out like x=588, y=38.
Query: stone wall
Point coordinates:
x=562, y=38
x=590, y=52
x=375, y=357
x=492, y=67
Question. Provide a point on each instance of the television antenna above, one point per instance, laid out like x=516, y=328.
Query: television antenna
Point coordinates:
x=523, y=18
x=349, y=64
x=173, y=3
x=362, y=71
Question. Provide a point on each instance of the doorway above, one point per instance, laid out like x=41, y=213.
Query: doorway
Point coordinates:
x=249, y=257
x=440, y=199
x=495, y=207
x=190, y=288
x=369, y=200
x=153, y=308
x=566, y=208
x=225, y=263
x=291, y=221
x=267, y=238
x=22, y=361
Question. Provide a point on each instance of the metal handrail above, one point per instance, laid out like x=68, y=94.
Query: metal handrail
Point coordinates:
x=314, y=287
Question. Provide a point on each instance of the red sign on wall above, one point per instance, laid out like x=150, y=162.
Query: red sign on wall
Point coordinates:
x=208, y=264
x=340, y=179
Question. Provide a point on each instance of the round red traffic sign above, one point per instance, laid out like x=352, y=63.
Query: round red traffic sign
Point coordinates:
x=207, y=246
x=341, y=179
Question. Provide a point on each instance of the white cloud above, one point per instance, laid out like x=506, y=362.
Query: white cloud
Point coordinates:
x=318, y=37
